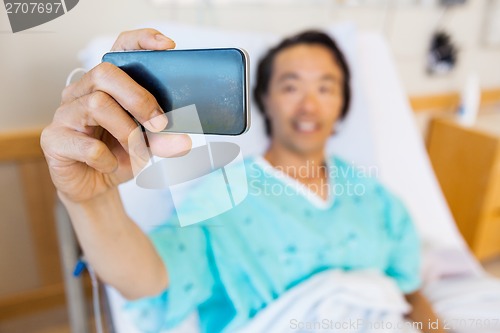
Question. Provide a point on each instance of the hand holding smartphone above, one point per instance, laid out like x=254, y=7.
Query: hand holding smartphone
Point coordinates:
x=215, y=81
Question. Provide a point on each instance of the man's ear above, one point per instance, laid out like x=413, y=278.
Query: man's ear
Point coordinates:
x=265, y=103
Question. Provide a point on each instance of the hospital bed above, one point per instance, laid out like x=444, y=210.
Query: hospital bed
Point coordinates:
x=379, y=131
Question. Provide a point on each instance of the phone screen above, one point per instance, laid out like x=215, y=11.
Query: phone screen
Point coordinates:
x=214, y=80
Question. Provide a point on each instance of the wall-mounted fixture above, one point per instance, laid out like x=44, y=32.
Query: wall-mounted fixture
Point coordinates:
x=442, y=56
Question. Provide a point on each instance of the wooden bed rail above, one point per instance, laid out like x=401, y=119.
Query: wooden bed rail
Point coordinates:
x=22, y=148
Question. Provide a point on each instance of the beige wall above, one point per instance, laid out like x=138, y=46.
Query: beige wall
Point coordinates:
x=34, y=65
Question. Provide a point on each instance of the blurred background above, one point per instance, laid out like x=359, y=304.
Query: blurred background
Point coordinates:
x=447, y=54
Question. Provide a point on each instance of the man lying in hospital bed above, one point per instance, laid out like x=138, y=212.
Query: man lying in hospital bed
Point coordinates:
x=319, y=214
x=306, y=247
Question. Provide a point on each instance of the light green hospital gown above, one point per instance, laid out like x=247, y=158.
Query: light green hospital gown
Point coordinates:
x=231, y=266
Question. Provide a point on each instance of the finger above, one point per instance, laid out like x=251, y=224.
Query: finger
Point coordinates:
x=143, y=145
x=142, y=39
x=66, y=145
x=139, y=151
x=168, y=144
x=129, y=94
x=97, y=109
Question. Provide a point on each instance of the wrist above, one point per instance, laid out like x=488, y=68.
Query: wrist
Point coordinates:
x=104, y=206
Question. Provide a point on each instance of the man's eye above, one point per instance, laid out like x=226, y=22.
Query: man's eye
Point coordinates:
x=289, y=88
x=326, y=90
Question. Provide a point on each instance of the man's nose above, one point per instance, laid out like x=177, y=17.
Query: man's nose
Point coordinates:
x=309, y=102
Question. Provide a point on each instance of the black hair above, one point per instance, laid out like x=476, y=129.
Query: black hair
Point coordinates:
x=265, y=68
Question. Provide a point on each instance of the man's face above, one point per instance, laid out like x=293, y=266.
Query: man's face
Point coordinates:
x=304, y=98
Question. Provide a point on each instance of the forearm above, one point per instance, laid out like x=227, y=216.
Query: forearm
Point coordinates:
x=119, y=252
x=422, y=312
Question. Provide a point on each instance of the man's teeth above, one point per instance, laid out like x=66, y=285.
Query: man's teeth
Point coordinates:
x=306, y=126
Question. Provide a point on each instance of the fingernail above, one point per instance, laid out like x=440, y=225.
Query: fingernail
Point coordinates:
x=157, y=123
x=163, y=38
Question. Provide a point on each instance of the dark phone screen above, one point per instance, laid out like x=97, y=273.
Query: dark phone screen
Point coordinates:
x=214, y=80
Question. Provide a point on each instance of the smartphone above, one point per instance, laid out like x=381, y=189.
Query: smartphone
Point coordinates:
x=215, y=81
